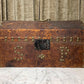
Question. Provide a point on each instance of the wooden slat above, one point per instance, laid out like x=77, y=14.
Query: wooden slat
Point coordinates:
x=28, y=10
x=0, y=11
x=73, y=9
x=54, y=9
x=82, y=11
x=63, y=10
x=19, y=9
x=11, y=9
x=4, y=8
x=46, y=9
x=36, y=10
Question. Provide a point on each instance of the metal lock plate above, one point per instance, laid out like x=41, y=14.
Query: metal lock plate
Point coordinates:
x=42, y=44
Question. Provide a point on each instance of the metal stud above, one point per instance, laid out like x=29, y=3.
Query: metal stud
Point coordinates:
x=22, y=54
x=39, y=37
x=19, y=38
x=21, y=47
x=78, y=39
x=25, y=39
x=68, y=50
x=61, y=47
x=21, y=58
x=51, y=38
x=62, y=53
x=64, y=39
x=71, y=39
x=5, y=38
x=18, y=52
x=12, y=38
x=57, y=39
x=62, y=60
x=14, y=47
x=66, y=53
x=32, y=39
x=18, y=59
x=15, y=51
x=62, y=56
x=15, y=58
x=62, y=50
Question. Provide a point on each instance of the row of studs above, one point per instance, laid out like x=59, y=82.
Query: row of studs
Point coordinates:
x=63, y=53
x=57, y=39
x=21, y=54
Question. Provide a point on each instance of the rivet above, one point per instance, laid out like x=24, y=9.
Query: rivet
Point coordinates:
x=61, y=53
x=18, y=59
x=66, y=53
x=64, y=39
x=18, y=52
x=78, y=39
x=57, y=39
x=32, y=39
x=26, y=39
x=62, y=50
x=62, y=56
x=22, y=54
x=5, y=38
x=18, y=46
x=19, y=39
x=15, y=58
x=71, y=39
x=12, y=38
x=15, y=51
x=51, y=38
x=14, y=47
x=61, y=60
x=66, y=47
x=39, y=37
x=68, y=50
x=21, y=58
x=61, y=47
x=21, y=47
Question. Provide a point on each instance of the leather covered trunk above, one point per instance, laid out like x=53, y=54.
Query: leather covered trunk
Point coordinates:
x=42, y=44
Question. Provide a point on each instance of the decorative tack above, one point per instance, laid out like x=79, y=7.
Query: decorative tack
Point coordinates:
x=57, y=39
x=32, y=39
x=61, y=60
x=25, y=39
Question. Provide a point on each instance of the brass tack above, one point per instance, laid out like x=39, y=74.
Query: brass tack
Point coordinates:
x=78, y=39
x=39, y=37
x=68, y=50
x=71, y=39
x=61, y=47
x=14, y=51
x=51, y=38
x=19, y=39
x=32, y=39
x=18, y=46
x=15, y=58
x=12, y=38
x=62, y=50
x=66, y=53
x=61, y=53
x=66, y=47
x=18, y=59
x=21, y=54
x=61, y=60
x=21, y=47
x=14, y=47
x=26, y=39
x=21, y=58
x=18, y=52
x=57, y=39
x=62, y=56
x=64, y=39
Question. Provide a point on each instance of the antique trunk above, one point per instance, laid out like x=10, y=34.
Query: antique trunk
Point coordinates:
x=42, y=44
